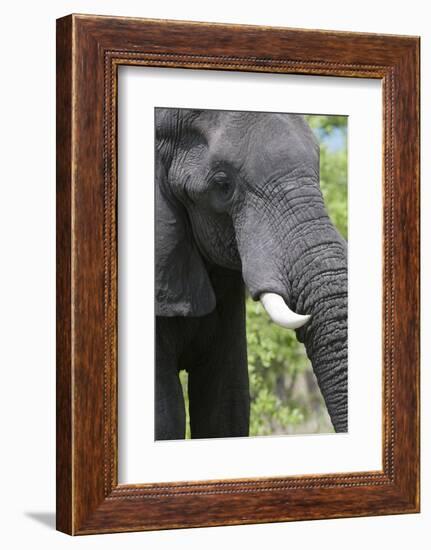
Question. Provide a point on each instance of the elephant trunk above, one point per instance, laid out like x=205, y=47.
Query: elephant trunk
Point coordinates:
x=320, y=287
x=298, y=255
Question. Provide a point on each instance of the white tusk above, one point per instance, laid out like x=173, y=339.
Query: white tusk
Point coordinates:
x=280, y=312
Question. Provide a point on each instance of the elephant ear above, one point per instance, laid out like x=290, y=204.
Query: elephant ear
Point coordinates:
x=183, y=286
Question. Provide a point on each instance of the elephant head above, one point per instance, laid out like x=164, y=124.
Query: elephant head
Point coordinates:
x=241, y=190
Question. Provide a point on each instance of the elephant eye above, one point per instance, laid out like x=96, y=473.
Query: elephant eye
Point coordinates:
x=221, y=191
x=222, y=182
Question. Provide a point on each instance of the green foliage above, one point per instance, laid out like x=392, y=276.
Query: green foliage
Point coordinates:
x=333, y=183
x=274, y=362
x=183, y=379
x=333, y=166
x=325, y=125
x=284, y=394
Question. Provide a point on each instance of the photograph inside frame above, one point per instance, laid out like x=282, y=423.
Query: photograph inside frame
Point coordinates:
x=250, y=273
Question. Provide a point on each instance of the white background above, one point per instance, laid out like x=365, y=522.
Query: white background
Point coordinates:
x=143, y=460
x=27, y=278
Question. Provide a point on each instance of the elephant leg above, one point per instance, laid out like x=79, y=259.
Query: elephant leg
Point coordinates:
x=219, y=399
x=170, y=413
x=169, y=407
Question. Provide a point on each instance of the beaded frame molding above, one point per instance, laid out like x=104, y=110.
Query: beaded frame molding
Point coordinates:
x=89, y=51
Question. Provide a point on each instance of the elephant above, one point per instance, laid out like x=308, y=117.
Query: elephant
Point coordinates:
x=239, y=206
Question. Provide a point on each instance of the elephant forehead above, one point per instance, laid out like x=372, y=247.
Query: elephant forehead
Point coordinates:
x=287, y=137
x=262, y=139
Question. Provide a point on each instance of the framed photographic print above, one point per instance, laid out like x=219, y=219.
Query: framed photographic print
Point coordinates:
x=237, y=274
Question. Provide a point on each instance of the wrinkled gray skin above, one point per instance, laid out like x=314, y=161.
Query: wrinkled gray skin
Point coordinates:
x=238, y=200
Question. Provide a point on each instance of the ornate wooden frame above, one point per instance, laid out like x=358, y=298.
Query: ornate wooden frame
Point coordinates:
x=89, y=51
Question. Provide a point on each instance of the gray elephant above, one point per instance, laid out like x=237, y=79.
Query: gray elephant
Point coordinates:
x=238, y=201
